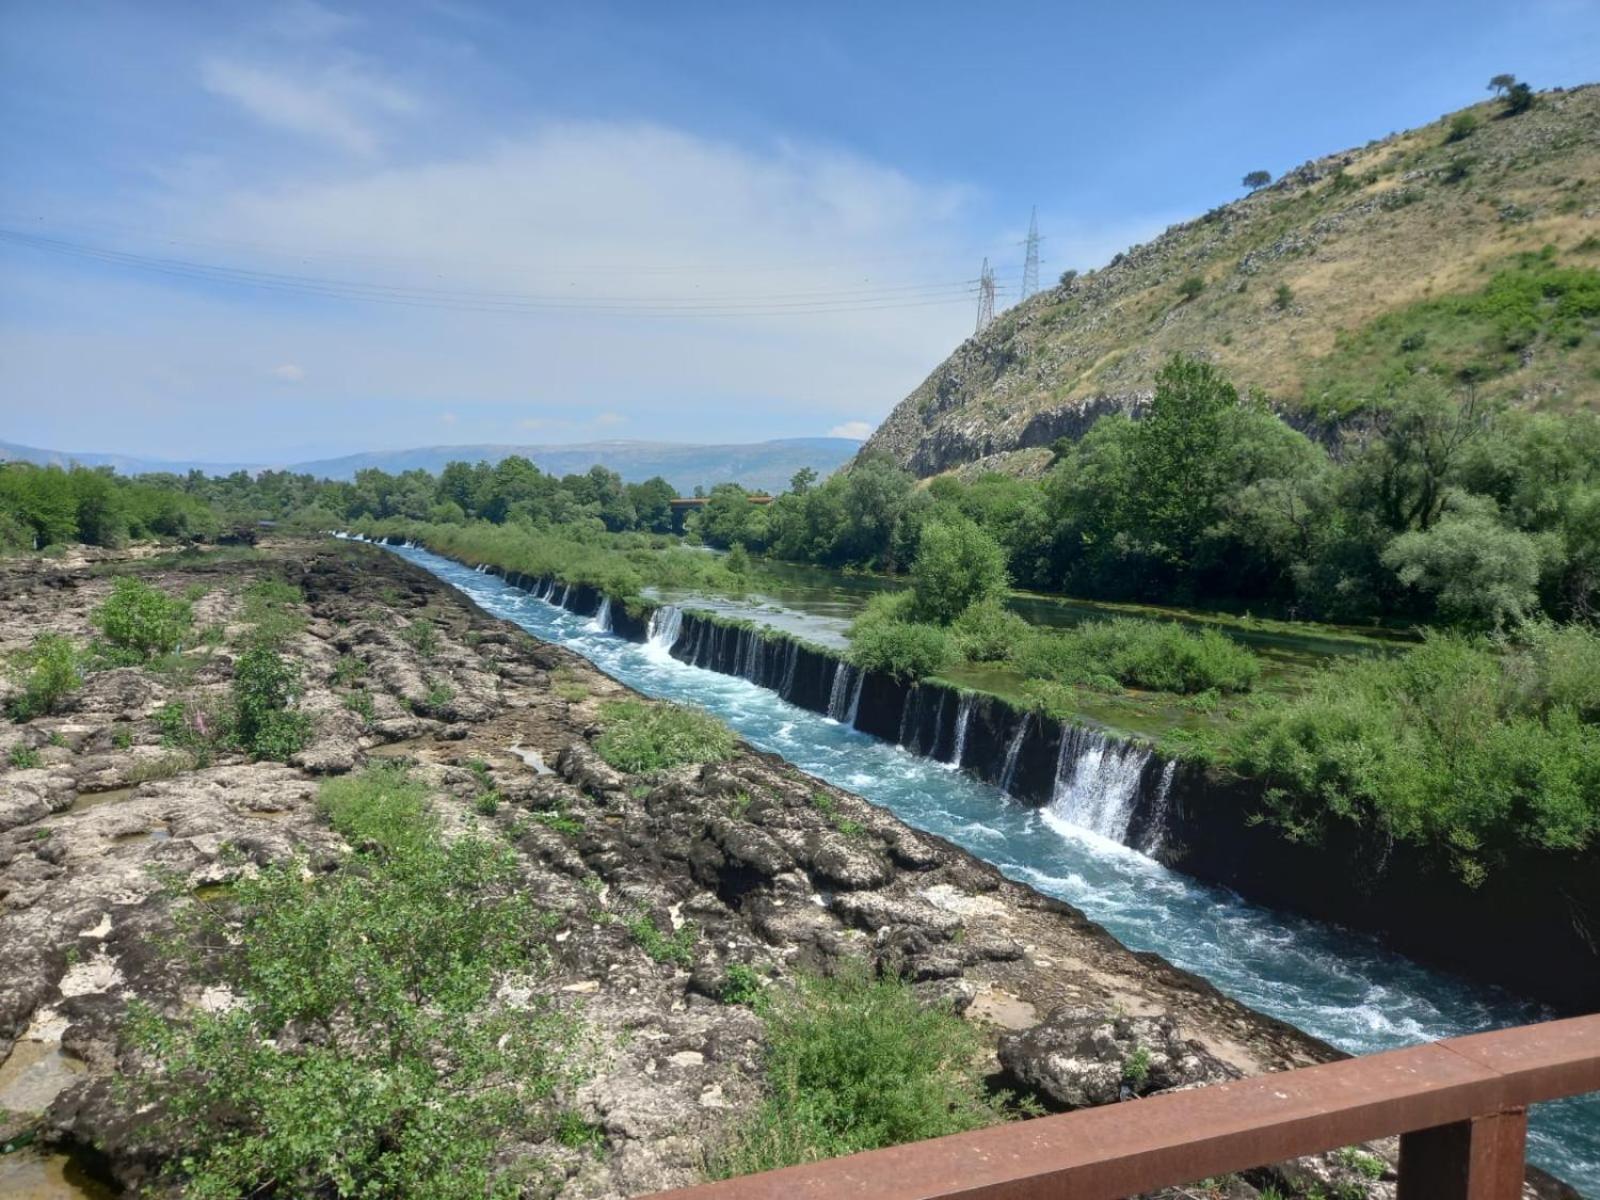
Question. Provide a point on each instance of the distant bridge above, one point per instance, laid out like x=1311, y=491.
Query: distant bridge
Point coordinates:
x=684, y=503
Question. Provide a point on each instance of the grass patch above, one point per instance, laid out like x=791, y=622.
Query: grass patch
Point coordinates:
x=853, y=1063
x=366, y=1055
x=652, y=737
x=676, y=947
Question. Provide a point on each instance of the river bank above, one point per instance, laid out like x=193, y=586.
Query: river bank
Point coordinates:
x=107, y=838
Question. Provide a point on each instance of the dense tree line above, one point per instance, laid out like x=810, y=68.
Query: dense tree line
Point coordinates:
x=44, y=506
x=1433, y=507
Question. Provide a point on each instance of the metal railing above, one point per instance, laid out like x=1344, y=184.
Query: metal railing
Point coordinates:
x=1459, y=1105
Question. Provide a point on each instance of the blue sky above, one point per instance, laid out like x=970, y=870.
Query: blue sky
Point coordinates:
x=271, y=231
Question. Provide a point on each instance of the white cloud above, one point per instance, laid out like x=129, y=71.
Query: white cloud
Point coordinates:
x=341, y=103
x=610, y=418
x=852, y=429
x=288, y=372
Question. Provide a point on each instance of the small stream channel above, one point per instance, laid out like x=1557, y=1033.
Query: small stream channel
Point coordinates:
x=1335, y=985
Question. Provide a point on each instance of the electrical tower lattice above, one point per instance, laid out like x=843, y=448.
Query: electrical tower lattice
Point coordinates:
x=985, y=297
x=1030, y=264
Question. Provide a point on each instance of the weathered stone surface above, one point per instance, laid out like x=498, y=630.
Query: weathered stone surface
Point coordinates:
x=1076, y=1058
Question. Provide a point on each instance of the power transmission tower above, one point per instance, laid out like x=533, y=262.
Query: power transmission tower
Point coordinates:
x=1030, y=263
x=985, y=297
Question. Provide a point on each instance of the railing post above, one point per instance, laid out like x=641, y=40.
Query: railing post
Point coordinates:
x=1478, y=1159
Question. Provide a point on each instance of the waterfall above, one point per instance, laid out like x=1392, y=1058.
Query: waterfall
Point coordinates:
x=963, y=715
x=601, y=622
x=855, y=700
x=786, y=688
x=1155, y=832
x=839, y=693
x=938, y=723
x=1097, y=782
x=1012, y=751
x=666, y=623
x=565, y=592
x=908, y=715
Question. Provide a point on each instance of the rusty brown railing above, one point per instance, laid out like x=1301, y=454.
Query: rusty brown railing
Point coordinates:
x=1460, y=1107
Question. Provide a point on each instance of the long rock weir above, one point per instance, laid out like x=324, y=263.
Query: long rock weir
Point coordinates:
x=1534, y=931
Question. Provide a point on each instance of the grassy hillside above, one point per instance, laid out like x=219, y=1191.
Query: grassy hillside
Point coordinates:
x=1469, y=248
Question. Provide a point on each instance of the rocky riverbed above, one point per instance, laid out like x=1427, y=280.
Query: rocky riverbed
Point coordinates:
x=105, y=828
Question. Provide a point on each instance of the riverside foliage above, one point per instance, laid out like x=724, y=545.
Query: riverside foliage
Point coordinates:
x=365, y=1054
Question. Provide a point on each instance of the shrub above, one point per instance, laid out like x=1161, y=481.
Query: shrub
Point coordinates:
x=1191, y=287
x=1462, y=126
x=855, y=1063
x=199, y=727
x=652, y=737
x=140, y=621
x=904, y=649
x=48, y=672
x=1283, y=298
x=741, y=984
x=1158, y=655
x=265, y=685
x=23, y=758
x=272, y=607
x=1475, y=752
x=986, y=631
x=365, y=1055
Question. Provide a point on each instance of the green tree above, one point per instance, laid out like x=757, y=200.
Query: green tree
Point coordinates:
x=958, y=565
x=1478, y=571
x=800, y=482
x=1177, y=461
x=1257, y=179
x=652, y=504
x=1519, y=98
x=1501, y=84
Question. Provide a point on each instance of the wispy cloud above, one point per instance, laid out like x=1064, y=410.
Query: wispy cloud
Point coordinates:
x=342, y=104
x=852, y=429
x=288, y=373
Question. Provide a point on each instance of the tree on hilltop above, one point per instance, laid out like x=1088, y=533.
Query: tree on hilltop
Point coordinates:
x=1257, y=179
x=1501, y=84
x=1519, y=99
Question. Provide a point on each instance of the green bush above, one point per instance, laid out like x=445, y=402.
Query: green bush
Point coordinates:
x=1475, y=751
x=48, y=671
x=676, y=947
x=1159, y=656
x=651, y=737
x=140, y=622
x=23, y=758
x=265, y=686
x=905, y=649
x=365, y=1055
x=741, y=984
x=986, y=631
x=854, y=1063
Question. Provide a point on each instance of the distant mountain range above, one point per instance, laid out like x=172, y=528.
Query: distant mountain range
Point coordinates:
x=766, y=466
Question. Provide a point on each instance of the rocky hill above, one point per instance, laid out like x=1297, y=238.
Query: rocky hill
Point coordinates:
x=1468, y=248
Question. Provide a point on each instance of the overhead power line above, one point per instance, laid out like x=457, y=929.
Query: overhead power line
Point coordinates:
x=822, y=301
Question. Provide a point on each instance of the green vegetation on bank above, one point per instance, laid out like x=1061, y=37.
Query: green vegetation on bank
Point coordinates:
x=854, y=1063
x=640, y=736
x=362, y=1051
x=1483, y=750
x=1435, y=507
